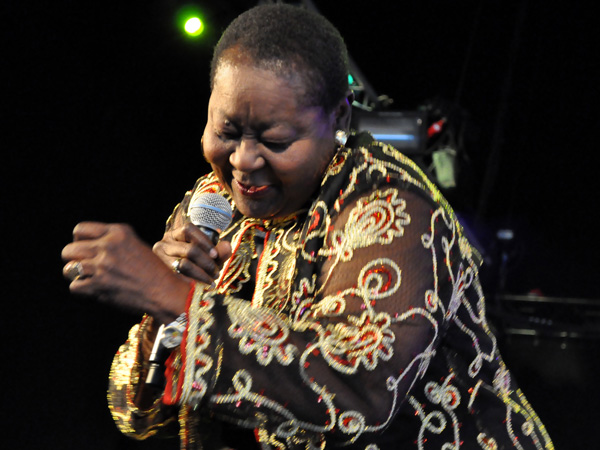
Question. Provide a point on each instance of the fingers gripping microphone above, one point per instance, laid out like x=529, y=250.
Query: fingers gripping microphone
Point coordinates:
x=212, y=214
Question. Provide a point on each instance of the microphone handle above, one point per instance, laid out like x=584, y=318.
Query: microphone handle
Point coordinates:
x=212, y=234
x=158, y=356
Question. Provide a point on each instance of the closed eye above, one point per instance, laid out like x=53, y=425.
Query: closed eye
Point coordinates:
x=227, y=135
x=275, y=146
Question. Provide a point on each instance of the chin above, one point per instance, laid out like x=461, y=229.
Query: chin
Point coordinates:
x=257, y=210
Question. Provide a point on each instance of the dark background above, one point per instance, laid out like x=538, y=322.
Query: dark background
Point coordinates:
x=103, y=105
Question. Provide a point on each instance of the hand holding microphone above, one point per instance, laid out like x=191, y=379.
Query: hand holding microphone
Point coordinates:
x=109, y=262
x=192, y=248
x=209, y=214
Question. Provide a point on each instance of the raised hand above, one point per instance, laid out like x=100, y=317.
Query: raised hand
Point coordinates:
x=109, y=262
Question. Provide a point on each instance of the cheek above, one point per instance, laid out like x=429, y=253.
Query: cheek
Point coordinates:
x=215, y=152
x=306, y=168
x=217, y=155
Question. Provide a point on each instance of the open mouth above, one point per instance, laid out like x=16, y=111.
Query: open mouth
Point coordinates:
x=251, y=190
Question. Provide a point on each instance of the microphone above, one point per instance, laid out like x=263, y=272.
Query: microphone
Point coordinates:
x=167, y=338
x=212, y=214
x=158, y=356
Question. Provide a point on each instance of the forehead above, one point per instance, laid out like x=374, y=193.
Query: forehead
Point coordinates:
x=292, y=74
x=245, y=91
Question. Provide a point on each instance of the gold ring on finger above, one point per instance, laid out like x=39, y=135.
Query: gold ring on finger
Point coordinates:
x=74, y=270
x=176, y=265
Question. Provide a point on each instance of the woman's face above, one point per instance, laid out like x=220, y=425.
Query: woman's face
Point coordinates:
x=268, y=149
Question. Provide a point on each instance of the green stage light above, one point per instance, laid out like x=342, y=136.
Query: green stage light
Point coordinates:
x=189, y=20
x=194, y=26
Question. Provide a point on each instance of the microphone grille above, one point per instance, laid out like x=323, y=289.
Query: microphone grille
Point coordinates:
x=212, y=211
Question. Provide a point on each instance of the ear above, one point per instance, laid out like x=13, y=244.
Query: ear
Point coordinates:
x=344, y=112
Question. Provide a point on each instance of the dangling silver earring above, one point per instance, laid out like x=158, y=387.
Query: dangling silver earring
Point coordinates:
x=341, y=137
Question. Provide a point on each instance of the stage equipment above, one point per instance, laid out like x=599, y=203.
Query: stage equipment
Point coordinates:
x=548, y=317
x=405, y=130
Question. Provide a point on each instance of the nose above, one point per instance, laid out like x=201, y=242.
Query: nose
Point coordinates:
x=247, y=156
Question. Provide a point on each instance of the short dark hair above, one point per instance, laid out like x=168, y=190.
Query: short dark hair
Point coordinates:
x=304, y=41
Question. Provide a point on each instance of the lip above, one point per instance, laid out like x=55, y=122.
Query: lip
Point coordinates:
x=252, y=191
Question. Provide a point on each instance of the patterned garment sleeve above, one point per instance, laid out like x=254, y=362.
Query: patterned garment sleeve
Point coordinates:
x=125, y=384
x=336, y=360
